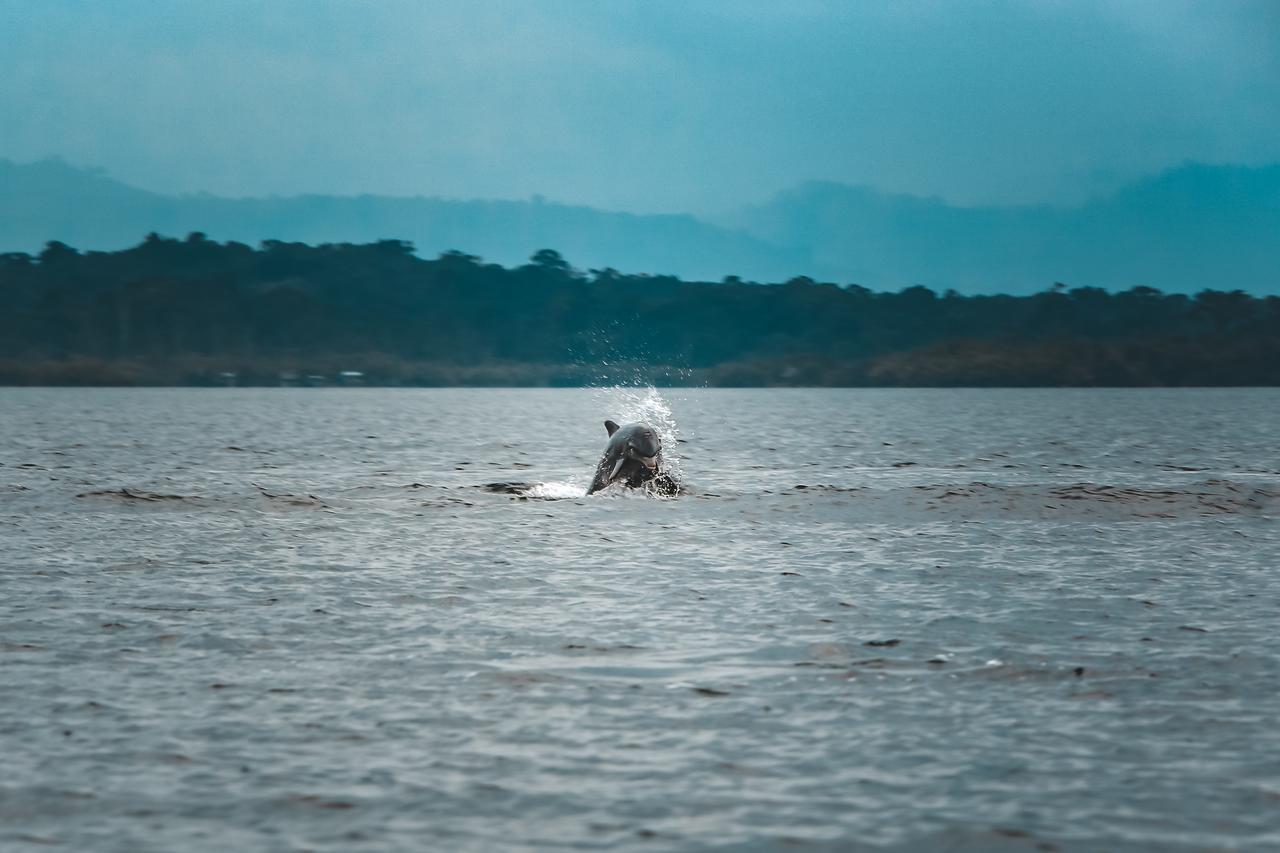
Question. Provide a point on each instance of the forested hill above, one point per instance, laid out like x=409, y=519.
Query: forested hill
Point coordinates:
x=194, y=311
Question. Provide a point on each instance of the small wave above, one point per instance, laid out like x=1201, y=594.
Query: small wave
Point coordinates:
x=126, y=494
x=660, y=487
x=555, y=491
x=1072, y=500
x=546, y=491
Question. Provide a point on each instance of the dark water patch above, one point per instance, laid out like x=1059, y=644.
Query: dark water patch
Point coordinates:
x=1221, y=496
x=128, y=495
x=711, y=692
x=526, y=678
x=316, y=801
x=289, y=499
x=826, y=487
x=984, y=500
x=446, y=503
x=601, y=649
x=509, y=488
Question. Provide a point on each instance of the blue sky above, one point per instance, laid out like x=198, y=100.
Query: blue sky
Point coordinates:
x=643, y=106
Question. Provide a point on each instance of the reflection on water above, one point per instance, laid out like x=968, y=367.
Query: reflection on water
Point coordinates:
x=340, y=620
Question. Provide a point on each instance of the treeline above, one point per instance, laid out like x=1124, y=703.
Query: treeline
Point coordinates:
x=194, y=311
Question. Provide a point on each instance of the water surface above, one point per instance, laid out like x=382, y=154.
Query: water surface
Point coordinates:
x=307, y=619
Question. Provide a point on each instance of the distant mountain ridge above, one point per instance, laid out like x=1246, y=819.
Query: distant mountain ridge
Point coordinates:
x=1187, y=229
x=50, y=200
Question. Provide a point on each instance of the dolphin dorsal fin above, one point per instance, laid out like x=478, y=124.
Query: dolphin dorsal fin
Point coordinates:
x=611, y=427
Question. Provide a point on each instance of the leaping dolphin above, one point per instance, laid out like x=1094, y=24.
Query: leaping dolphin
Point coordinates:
x=631, y=457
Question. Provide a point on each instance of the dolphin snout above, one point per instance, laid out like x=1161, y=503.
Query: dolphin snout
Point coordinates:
x=650, y=462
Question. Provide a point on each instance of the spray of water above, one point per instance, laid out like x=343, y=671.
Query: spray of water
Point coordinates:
x=624, y=404
x=555, y=491
x=629, y=404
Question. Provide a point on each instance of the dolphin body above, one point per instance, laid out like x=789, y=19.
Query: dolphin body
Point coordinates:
x=631, y=457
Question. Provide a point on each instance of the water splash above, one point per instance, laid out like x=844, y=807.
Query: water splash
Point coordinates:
x=555, y=491
x=630, y=404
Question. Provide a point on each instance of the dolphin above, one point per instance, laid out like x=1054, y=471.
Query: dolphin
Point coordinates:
x=631, y=457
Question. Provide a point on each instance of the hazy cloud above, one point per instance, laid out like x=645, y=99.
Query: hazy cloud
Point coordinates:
x=639, y=105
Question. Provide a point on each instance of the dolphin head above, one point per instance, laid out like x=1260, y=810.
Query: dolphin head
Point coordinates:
x=643, y=446
x=633, y=455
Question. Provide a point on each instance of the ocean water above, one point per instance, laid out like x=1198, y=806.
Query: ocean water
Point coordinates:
x=386, y=620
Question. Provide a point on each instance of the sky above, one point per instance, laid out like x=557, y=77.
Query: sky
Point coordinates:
x=647, y=106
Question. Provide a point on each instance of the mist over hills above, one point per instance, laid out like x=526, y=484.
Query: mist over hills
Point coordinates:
x=1184, y=230
x=50, y=200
